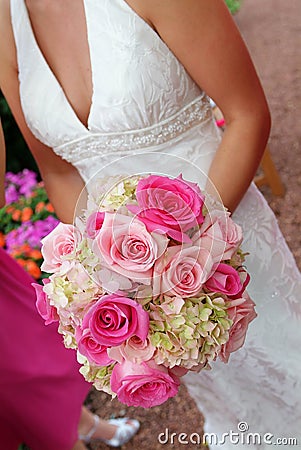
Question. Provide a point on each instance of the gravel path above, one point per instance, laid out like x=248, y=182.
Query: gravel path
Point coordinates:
x=270, y=28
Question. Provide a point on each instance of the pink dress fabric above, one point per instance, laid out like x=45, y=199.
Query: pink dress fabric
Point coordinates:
x=41, y=390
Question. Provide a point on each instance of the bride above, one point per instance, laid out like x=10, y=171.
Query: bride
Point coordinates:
x=115, y=86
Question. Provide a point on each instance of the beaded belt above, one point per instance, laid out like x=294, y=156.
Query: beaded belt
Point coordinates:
x=194, y=113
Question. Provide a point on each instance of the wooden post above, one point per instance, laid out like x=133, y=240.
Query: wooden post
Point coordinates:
x=270, y=175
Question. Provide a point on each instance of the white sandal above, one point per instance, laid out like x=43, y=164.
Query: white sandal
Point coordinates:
x=125, y=431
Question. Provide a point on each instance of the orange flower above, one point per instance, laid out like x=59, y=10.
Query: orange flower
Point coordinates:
x=16, y=215
x=33, y=269
x=10, y=209
x=26, y=214
x=49, y=207
x=39, y=207
x=22, y=262
x=15, y=253
x=35, y=254
x=2, y=240
x=23, y=249
x=24, y=246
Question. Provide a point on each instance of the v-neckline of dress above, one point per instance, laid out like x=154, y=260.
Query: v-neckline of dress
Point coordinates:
x=86, y=127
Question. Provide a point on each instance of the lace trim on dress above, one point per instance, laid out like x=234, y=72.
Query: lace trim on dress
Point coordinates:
x=193, y=114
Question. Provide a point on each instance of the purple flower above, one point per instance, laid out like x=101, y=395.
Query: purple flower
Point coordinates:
x=18, y=184
x=30, y=232
x=11, y=194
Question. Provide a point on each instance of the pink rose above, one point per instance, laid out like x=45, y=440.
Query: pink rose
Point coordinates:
x=89, y=347
x=125, y=245
x=225, y=280
x=171, y=206
x=113, y=319
x=146, y=384
x=220, y=235
x=134, y=350
x=241, y=312
x=46, y=311
x=58, y=245
x=244, y=279
x=182, y=271
x=94, y=223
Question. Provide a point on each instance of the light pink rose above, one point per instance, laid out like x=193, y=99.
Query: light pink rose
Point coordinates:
x=59, y=244
x=224, y=280
x=87, y=346
x=242, y=312
x=46, y=311
x=220, y=235
x=182, y=271
x=113, y=319
x=171, y=206
x=125, y=245
x=134, y=350
x=94, y=223
x=146, y=384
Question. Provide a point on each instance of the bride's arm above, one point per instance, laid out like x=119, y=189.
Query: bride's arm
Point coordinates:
x=62, y=181
x=203, y=36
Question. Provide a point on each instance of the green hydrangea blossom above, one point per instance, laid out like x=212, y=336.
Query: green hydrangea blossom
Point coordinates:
x=191, y=335
x=99, y=376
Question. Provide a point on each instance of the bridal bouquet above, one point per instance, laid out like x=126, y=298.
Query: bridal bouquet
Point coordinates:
x=147, y=285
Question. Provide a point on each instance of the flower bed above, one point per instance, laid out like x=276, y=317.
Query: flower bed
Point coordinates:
x=25, y=220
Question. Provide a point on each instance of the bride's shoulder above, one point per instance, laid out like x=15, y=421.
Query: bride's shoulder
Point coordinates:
x=189, y=15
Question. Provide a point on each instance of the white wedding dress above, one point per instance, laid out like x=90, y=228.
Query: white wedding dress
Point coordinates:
x=148, y=115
